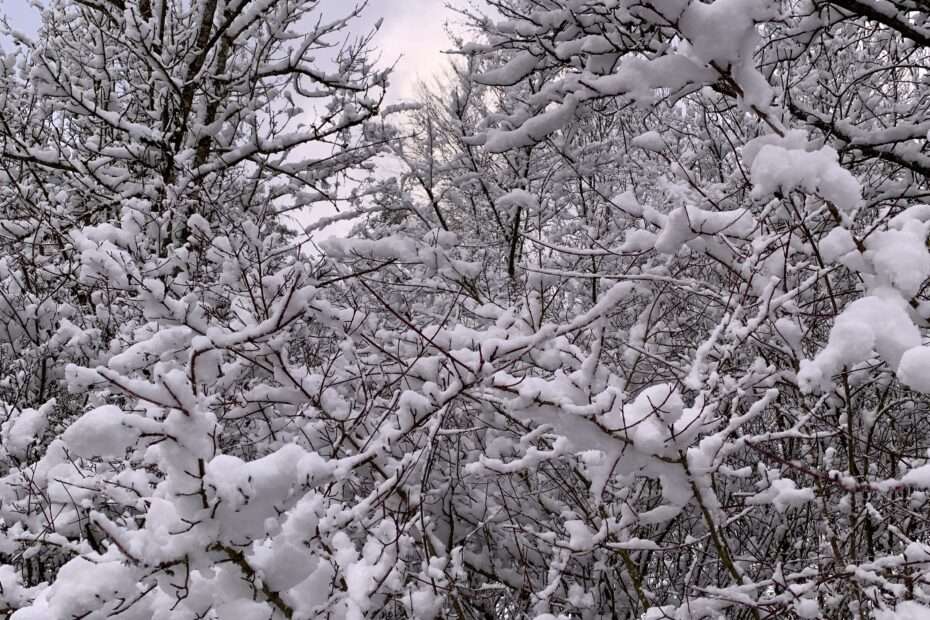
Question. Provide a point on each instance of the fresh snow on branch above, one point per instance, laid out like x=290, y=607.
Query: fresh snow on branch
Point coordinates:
x=632, y=320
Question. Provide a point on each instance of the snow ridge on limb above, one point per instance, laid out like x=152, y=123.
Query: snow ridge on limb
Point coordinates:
x=619, y=49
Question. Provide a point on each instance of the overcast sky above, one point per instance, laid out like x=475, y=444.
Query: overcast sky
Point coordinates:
x=412, y=31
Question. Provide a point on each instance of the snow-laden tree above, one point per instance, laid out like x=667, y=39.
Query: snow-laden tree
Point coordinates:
x=696, y=307
x=189, y=429
x=636, y=333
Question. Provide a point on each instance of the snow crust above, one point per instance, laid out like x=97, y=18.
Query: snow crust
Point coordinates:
x=23, y=428
x=651, y=141
x=780, y=168
x=914, y=370
x=102, y=431
x=869, y=324
x=905, y=610
x=687, y=223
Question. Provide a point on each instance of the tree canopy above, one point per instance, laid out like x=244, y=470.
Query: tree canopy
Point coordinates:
x=633, y=328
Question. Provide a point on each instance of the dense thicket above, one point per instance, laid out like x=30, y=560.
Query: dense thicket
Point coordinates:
x=637, y=331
